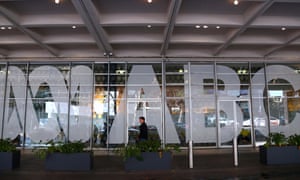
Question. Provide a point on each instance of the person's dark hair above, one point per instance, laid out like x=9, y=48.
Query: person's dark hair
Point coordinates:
x=142, y=117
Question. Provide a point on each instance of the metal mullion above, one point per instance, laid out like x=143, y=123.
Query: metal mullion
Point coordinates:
x=218, y=144
x=190, y=103
x=163, y=104
x=126, y=105
x=251, y=106
x=4, y=101
x=108, y=108
x=92, y=108
x=69, y=103
x=26, y=102
x=268, y=104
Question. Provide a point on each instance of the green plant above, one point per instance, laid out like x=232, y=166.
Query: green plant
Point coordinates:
x=294, y=140
x=7, y=146
x=276, y=139
x=135, y=150
x=73, y=147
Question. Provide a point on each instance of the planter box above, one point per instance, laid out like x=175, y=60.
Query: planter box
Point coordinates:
x=9, y=160
x=69, y=162
x=151, y=161
x=279, y=155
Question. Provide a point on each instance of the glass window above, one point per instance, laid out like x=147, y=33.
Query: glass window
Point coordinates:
x=47, y=104
x=283, y=92
x=144, y=99
x=176, y=100
x=81, y=97
x=2, y=95
x=234, y=103
x=203, y=118
x=14, y=102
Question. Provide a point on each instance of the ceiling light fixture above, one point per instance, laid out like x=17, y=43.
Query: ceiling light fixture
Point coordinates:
x=283, y=28
x=149, y=1
x=197, y=26
x=236, y=2
x=149, y=26
x=218, y=27
x=57, y=1
x=74, y=27
x=9, y=27
x=3, y=28
x=205, y=26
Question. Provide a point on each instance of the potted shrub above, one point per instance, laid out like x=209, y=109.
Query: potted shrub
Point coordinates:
x=9, y=155
x=147, y=155
x=280, y=150
x=294, y=140
x=66, y=157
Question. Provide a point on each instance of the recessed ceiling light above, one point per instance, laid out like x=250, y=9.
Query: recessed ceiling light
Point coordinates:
x=3, y=28
x=205, y=26
x=74, y=27
x=57, y=1
x=197, y=26
x=218, y=27
x=149, y=26
x=149, y=1
x=9, y=27
x=283, y=28
x=236, y=2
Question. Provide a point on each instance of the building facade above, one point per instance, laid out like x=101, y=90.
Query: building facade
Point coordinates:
x=99, y=102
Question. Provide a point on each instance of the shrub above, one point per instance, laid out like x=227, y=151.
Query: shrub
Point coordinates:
x=73, y=147
x=7, y=146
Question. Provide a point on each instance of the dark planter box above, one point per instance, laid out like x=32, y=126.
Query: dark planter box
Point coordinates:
x=279, y=155
x=151, y=161
x=69, y=162
x=9, y=160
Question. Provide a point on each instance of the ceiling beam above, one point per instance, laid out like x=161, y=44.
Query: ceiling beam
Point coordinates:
x=3, y=52
x=288, y=1
x=250, y=16
x=284, y=1
x=90, y=17
x=172, y=14
x=13, y=18
x=291, y=39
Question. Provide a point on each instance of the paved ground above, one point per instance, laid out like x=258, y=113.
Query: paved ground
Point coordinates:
x=208, y=164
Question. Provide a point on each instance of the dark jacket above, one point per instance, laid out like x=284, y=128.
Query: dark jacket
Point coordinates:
x=143, y=132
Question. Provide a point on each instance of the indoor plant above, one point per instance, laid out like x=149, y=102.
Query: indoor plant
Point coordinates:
x=147, y=155
x=9, y=155
x=66, y=157
x=244, y=137
x=280, y=150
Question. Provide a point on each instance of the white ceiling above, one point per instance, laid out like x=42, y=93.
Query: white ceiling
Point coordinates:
x=41, y=28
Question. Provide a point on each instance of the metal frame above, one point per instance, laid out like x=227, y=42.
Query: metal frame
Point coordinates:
x=190, y=104
x=253, y=138
x=163, y=103
x=4, y=100
x=69, y=100
x=267, y=96
x=92, y=108
x=26, y=102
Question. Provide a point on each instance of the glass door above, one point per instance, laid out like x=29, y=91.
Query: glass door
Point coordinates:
x=234, y=120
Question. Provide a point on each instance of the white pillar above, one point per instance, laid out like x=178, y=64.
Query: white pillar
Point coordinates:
x=191, y=163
